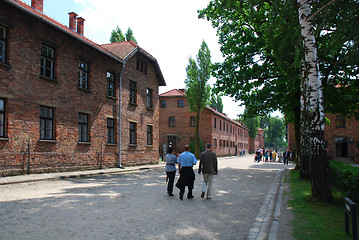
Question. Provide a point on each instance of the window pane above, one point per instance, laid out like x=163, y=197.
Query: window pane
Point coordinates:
x=42, y=128
x=2, y=32
x=110, y=131
x=2, y=51
x=110, y=85
x=49, y=129
x=47, y=62
x=2, y=125
x=2, y=105
x=132, y=136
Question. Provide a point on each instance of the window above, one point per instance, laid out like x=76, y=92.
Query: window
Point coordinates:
x=133, y=92
x=227, y=129
x=149, y=135
x=83, y=128
x=2, y=117
x=172, y=121
x=133, y=133
x=215, y=142
x=192, y=121
x=83, y=75
x=110, y=85
x=47, y=62
x=149, y=101
x=2, y=44
x=180, y=103
x=340, y=121
x=220, y=142
x=163, y=103
x=224, y=126
x=220, y=124
x=141, y=66
x=46, y=123
x=215, y=122
x=110, y=130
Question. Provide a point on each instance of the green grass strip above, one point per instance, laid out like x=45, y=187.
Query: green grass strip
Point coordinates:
x=314, y=220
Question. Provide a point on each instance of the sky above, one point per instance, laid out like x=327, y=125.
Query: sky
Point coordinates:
x=169, y=30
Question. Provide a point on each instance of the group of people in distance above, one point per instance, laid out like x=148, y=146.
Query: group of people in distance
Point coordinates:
x=269, y=155
x=208, y=166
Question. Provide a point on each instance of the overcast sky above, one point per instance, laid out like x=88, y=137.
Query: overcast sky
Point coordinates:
x=169, y=30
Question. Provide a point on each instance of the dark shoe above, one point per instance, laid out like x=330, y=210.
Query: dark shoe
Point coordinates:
x=181, y=195
x=190, y=197
x=202, y=195
x=208, y=198
x=170, y=194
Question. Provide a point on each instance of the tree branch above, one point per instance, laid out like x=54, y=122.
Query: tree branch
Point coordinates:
x=321, y=9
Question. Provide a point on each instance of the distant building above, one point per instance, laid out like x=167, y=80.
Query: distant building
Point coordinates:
x=228, y=137
x=60, y=96
x=341, y=137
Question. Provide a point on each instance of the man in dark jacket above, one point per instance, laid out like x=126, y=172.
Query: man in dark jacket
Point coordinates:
x=209, y=167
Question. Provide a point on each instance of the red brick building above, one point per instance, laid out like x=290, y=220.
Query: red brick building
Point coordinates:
x=60, y=96
x=341, y=136
x=257, y=142
x=228, y=137
x=140, y=79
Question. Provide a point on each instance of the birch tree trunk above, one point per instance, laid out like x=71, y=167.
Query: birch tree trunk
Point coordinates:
x=312, y=110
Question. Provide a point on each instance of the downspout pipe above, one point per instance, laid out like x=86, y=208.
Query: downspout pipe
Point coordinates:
x=119, y=117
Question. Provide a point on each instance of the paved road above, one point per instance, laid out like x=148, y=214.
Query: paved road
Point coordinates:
x=134, y=205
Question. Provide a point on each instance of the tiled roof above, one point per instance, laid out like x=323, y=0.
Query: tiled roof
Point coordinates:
x=126, y=49
x=225, y=117
x=120, y=49
x=42, y=17
x=174, y=93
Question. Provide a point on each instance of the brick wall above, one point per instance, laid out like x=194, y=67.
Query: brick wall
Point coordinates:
x=139, y=113
x=342, y=142
x=24, y=91
x=226, y=137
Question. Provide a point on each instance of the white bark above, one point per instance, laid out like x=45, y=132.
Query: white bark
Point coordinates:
x=312, y=90
x=313, y=121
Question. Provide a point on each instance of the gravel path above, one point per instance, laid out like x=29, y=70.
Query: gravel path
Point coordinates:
x=134, y=205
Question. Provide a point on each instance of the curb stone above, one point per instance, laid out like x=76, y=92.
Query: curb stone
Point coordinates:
x=64, y=175
x=263, y=223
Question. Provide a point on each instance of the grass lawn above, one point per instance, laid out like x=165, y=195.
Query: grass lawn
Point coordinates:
x=315, y=220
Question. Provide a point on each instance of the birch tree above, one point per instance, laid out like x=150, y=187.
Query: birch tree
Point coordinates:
x=312, y=108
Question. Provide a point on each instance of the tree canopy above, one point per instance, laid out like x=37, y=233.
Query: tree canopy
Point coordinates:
x=261, y=43
x=197, y=87
x=263, y=52
x=117, y=35
x=274, y=131
x=216, y=102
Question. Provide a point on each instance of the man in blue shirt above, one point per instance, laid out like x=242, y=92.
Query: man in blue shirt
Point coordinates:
x=186, y=161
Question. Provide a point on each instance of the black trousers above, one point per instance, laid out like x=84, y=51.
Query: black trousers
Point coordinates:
x=187, y=178
x=171, y=180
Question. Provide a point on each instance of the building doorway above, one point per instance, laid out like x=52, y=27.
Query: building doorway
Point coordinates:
x=341, y=147
x=172, y=142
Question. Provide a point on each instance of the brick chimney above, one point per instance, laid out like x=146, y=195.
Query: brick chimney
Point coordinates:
x=38, y=5
x=80, y=25
x=72, y=21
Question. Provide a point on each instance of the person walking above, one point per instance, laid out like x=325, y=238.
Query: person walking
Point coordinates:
x=208, y=165
x=186, y=161
x=286, y=157
x=171, y=161
x=274, y=155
